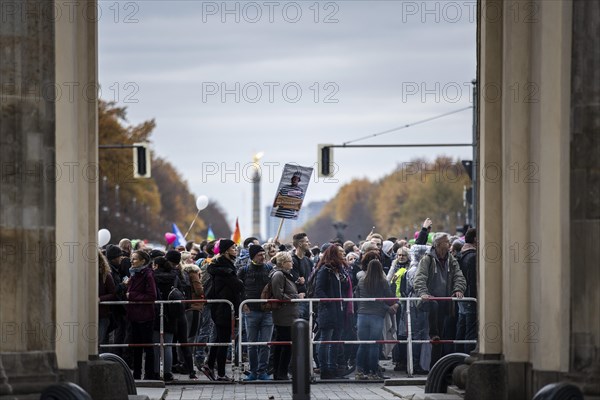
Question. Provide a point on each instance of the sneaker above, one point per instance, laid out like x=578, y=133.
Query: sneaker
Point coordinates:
x=381, y=376
x=193, y=375
x=250, y=377
x=169, y=377
x=264, y=377
x=361, y=377
x=419, y=371
x=399, y=367
x=224, y=378
x=345, y=371
x=206, y=370
x=328, y=374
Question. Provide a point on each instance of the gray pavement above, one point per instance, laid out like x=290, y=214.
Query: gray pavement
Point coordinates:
x=184, y=389
x=339, y=391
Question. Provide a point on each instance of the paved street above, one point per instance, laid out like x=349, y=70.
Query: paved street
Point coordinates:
x=342, y=391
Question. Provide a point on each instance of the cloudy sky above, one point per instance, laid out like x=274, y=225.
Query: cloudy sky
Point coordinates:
x=225, y=80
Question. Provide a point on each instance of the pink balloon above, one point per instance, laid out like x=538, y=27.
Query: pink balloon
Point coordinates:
x=170, y=237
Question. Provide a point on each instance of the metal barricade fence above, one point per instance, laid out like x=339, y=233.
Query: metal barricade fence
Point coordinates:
x=162, y=343
x=409, y=341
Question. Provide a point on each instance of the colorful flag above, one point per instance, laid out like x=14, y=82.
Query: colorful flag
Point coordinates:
x=210, y=235
x=237, y=236
x=180, y=241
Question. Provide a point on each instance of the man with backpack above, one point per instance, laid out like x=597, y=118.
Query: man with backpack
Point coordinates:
x=259, y=323
x=439, y=275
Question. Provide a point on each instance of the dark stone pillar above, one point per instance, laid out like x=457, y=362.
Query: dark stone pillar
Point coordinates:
x=27, y=197
x=487, y=380
x=585, y=195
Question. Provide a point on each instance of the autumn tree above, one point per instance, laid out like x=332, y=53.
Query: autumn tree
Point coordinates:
x=397, y=203
x=143, y=208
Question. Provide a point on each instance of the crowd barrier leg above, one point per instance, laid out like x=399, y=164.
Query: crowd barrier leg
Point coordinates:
x=409, y=352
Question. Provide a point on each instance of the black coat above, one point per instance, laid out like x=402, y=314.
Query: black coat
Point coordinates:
x=226, y=286
x=468, y=265
x=165, y=281
x=331, y=314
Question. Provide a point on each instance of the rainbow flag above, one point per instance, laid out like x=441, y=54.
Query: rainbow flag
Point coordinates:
x=210, y=235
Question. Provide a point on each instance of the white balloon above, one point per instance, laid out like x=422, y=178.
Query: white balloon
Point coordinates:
x=103, y=237
x=201, y=202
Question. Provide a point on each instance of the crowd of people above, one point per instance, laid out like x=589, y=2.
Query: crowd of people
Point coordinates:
x=429, y=267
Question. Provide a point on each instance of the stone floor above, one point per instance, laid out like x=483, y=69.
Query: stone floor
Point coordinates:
x=340, y=391
x=184, y=389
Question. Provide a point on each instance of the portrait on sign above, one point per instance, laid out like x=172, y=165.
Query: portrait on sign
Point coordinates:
x=291, y=191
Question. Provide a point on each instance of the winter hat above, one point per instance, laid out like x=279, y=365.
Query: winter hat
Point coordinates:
x=156, y=253
x=387, y=246
x=325, y=246
x=113, y=251
x=254, y=249
x=224, y=245
x=174, y=256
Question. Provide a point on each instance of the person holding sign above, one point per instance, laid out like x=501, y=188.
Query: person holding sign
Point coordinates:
x=289, y=199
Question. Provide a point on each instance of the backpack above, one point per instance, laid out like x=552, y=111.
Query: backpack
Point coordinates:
x=174, y=310
x=266, y=294
x=310, y=284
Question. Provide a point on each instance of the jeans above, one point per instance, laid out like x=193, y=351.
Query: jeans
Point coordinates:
x=206, y=334
x=370, y=327
x=259, y=327
x=303, y=310
x=168, y=361
x=420, y=331
x=103, y=324
x=439, y=313
x=466, y=329
x=327, y=353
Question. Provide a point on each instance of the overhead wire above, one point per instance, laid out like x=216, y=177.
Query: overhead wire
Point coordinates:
x=408, y=125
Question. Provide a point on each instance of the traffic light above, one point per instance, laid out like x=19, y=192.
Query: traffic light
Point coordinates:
x=141, y=160
x=325, y=157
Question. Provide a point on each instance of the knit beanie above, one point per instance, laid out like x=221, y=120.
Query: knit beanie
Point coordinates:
x=174, y=256
x=254, y=250
x=224, y=245
x=113, y=251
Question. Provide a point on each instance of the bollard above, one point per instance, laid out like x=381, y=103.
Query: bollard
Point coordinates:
x=300, y=360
